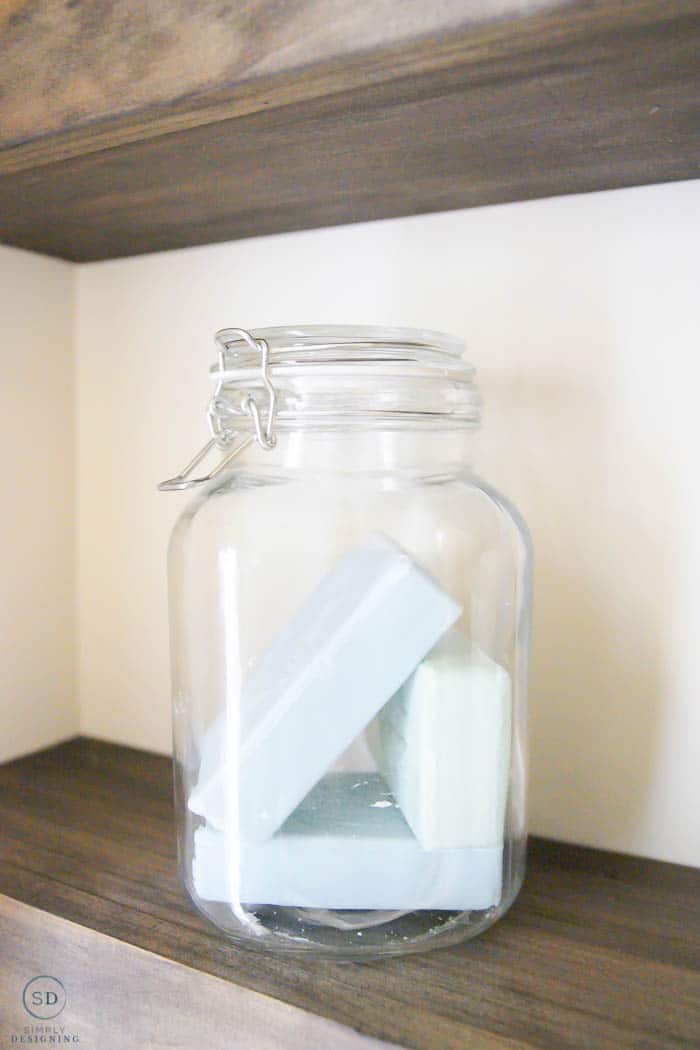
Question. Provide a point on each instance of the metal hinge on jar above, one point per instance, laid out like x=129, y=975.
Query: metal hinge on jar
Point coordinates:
x=219, y=415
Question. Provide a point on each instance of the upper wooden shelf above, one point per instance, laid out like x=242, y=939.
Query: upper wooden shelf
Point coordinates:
x=130, y=128
x=599, y=950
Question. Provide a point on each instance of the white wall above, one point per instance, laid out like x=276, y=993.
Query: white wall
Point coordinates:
x=582, y=318
x=38, y=699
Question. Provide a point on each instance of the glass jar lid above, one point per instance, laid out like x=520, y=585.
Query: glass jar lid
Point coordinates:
x=332, y=377
x=341, y=376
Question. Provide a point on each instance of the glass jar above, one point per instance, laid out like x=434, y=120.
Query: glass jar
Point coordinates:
x=350, y=611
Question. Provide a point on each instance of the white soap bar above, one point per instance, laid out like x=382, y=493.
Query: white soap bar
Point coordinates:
x=444, y=746
x=348, y=846
x=357, y=637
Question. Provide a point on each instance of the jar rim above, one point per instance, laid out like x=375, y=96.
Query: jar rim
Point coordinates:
x=332, y=378
x=347, y=375
x=317, y=345
x=285, y=339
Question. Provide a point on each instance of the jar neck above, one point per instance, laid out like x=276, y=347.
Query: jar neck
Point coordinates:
x=421, y=452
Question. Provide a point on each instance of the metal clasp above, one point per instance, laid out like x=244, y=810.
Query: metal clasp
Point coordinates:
x=219, y=415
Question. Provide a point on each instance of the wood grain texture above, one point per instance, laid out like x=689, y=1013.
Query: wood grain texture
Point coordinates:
x=67, y=63
x=118, y=995
x=566, y=98
x=600, y=950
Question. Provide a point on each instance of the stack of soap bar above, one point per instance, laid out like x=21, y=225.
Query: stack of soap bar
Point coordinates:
x=348, y=846
x=350, y=646
x=357, y=637
x=444, y=746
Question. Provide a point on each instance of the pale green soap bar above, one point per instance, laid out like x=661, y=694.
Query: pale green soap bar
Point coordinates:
x=444, y=746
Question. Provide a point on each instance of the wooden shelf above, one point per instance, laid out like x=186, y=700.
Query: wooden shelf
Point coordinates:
x=122, y=135
x=600, y=950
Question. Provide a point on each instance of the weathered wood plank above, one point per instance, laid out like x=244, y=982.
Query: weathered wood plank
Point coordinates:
x=111, y=995
x=566, y=98
x=67, y=64
x=600, y=950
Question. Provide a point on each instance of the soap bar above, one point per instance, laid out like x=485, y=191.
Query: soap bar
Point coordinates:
x=444, y=746
x=348, y=846
x=347, y=650
x=207, y=797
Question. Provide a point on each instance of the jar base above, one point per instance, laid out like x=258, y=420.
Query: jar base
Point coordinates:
x=352, y=936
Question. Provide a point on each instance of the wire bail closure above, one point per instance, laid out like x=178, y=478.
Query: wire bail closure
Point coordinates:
x=219, y=411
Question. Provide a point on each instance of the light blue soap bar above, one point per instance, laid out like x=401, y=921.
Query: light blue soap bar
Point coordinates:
x=347, y=650
x=347, y=846
x=207, y=796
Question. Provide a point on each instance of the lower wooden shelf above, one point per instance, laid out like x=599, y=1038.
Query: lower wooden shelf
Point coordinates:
x=600, y=950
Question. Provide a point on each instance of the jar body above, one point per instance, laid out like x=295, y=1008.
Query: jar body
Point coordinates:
x=349, y=633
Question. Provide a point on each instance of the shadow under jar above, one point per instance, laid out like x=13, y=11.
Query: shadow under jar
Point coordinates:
x=349, y=610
